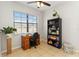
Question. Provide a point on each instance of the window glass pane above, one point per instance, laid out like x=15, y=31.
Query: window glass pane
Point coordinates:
x=23, y=15
x=17, y=19
x=20, y=21
x=32, y=19
x=24, y=20
x=17, y=14
x=18, y=27
x=32, y=28
x=24, y=28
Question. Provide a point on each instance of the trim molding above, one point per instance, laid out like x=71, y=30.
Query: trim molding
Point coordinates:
x=19, y=46
x=0, y=54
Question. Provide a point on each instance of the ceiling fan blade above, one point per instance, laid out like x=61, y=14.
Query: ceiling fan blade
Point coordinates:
x=31, y=2
x=46, y=3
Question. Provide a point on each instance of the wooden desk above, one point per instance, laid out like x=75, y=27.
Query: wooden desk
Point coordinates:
x=25, y=41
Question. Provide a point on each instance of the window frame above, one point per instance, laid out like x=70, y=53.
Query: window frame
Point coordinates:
x=27, y=23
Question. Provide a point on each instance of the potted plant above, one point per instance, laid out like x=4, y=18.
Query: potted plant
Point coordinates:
x=8, y=31
x=55, y=13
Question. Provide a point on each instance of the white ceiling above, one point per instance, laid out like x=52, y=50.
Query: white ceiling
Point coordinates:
x=33, y=5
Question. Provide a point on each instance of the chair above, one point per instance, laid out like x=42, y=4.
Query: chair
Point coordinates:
x=34, y=39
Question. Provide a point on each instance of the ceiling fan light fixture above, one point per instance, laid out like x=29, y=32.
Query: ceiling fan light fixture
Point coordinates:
x=38, y=4
x=42, y=4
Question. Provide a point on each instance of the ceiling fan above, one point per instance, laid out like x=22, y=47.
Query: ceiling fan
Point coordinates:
x=40, y=3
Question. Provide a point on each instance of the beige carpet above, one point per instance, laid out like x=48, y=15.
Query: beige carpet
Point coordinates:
x=43, y=50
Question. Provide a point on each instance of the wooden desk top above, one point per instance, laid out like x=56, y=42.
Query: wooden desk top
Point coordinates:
x=27, y=37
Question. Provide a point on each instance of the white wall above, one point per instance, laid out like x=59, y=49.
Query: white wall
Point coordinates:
x=0, y=37
x=0, y=45
x=6, y=19
x=69, y=12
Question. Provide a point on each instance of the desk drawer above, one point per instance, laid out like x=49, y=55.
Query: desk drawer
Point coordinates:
x=25, y=43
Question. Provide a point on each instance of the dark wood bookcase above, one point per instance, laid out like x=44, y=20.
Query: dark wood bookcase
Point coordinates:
x=54, y=35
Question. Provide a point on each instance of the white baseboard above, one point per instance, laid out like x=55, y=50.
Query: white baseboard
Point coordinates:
x=0, y=54
x=3, y=51
x=19, y=46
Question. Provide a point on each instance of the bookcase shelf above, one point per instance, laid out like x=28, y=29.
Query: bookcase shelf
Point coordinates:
x=54, y=36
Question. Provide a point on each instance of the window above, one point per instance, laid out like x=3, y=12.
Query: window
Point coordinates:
x=32, y=23
x=24, y=22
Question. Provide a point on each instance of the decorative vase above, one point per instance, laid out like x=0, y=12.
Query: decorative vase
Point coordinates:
x=8, y=36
